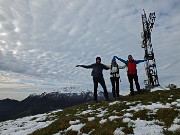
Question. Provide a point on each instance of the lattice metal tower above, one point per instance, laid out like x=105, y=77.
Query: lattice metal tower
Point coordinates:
x=150, y=65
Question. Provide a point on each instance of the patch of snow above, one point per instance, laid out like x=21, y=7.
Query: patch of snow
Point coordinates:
x=76, y=127
x=85, y=112
x=115, y=102
x=178, y=100
x=177, y=121
x=102, y=121
x=143, y=127
x=168, y=104
x=113, y=117
x=74, y=122
x=126, y=120
x=128, y=103
x=128, y=115
x=25, y=125
x=174, y=127
x=101, y=114
x=153, y=106
x=174, y=103
x=91, y=118
x=118, y=131
x=159, y=88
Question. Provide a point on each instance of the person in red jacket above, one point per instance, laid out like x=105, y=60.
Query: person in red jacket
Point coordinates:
x=132, y=72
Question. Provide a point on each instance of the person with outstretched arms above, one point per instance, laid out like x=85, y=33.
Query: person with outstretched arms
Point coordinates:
x=131, y=72
x=115, y=76
x=97, y=74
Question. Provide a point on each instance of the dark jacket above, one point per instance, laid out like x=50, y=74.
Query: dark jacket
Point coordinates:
x=97, y=69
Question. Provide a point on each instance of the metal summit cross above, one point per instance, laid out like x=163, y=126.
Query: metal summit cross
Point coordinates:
x=150, y=65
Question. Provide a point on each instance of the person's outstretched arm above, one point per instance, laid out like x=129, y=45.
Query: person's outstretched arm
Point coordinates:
x=121, y=67
x=124, y=61
x=139, y=61
x=85, y=66
x=109, y=66
x=106, y=67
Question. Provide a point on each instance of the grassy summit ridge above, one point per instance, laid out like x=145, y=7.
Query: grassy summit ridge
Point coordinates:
x=120, y=115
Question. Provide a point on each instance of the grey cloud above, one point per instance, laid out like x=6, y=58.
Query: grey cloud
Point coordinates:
x=57, y=35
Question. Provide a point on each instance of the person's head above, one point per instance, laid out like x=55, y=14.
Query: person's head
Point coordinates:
x=98, y=59
x=130, y=58
x=113, y=61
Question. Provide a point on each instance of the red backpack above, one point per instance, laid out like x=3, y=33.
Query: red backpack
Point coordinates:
x=131, y=67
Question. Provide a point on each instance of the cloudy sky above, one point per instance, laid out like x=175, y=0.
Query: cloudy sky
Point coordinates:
x=41, y=42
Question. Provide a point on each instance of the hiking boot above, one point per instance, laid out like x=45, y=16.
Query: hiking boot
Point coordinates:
x=139, y=92
x=96, y=101
x=132, y=93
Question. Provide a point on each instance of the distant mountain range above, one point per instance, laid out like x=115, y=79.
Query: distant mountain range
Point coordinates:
x=45, y=102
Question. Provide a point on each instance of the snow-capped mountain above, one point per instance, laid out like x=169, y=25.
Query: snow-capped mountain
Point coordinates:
x=41, y=103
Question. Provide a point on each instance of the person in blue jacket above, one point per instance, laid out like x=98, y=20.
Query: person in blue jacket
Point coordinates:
x=132, y=72
x=97, y=75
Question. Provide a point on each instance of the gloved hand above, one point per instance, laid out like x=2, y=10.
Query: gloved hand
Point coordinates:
x=114, y=57
x=145, y=59
x=78, y=65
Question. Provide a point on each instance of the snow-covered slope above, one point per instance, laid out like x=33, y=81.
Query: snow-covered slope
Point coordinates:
x=41, y=42
x=26, y=125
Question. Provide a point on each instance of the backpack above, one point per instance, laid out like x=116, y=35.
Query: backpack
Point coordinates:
x=117, y=72
x=131, y=67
